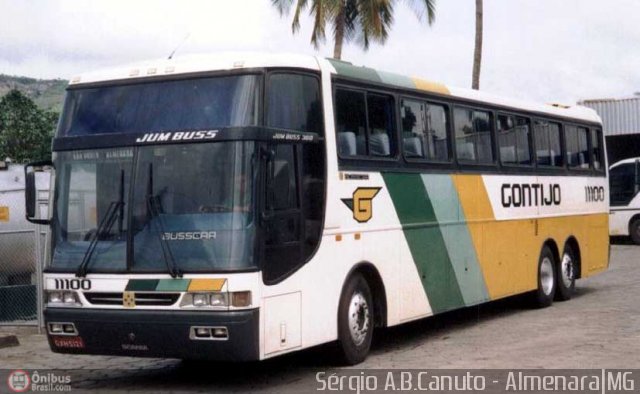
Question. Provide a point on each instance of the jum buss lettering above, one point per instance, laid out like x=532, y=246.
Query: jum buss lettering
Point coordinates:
x=530, y=194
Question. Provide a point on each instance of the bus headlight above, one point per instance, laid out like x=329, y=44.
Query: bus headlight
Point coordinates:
x=54, y=297
x=219, y=299
x=200, y=299
x=62, y=298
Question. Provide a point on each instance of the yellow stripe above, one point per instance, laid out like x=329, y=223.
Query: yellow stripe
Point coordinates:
x=206, y=284
x=430, y=86
x=508, y=250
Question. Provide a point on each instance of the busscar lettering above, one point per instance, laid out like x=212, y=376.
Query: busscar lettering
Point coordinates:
x=189, y=235
x=177, y=136
x=519, y=195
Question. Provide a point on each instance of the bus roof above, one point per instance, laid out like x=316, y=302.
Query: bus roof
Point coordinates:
x=190, y=64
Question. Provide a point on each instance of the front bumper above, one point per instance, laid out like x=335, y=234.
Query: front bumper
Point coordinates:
x=146, y=333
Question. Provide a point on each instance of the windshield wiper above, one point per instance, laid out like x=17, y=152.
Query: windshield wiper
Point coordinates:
x=115, y=210
x=154, y=211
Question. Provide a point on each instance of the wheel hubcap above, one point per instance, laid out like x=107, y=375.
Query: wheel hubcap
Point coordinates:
x=567, y=270
x=546, y=275
x=359, y=318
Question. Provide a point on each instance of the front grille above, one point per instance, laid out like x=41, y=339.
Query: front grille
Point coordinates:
x=142, y=299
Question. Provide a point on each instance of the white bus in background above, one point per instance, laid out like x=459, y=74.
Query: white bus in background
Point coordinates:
x=624, y=180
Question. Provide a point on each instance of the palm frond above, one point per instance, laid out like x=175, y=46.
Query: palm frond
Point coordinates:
x=422, y=7
x=283, y=6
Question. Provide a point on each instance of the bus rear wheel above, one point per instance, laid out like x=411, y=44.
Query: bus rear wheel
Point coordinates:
x=634, y=231
x=543, y=296
x=566, y=274
x=355, y=321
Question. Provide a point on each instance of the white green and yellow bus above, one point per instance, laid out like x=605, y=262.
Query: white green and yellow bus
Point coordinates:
x=244, y=206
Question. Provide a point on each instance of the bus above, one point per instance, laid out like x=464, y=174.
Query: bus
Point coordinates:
x=624, y=184
x=244, y=206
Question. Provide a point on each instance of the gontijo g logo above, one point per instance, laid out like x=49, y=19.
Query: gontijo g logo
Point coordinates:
x=19, y=381
x=362, y=203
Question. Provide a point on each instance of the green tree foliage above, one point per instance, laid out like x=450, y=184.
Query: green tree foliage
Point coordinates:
x=362, y=21
x=25, y=130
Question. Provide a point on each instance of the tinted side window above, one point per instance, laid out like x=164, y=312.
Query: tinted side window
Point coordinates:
x=473, y=136
x=364, y=124
x=596, y=147
x=622, y=184
x=294, y=103
x=283, y=193
x=577, y=143
x=513, y=140
x=381, y=137
x=424, y=130
x=351, y=123
x=548, y=144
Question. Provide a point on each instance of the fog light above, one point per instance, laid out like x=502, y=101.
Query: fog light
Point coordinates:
x=55, y=328
x=220, y=332
x=55, y=297
x=241, y=299
x=68, y=328
x=219, y=299
x=200, y=299
x=202, y=332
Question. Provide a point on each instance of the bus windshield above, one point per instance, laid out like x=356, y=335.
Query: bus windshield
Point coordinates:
x=187, y=104
x=191, y=205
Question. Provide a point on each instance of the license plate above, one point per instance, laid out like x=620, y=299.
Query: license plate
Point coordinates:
x=69, y=342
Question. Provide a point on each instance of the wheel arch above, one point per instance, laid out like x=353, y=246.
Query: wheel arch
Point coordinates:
x=551, y=243
x=378, y=290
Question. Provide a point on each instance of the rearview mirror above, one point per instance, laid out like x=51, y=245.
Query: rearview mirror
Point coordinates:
x=31, y=190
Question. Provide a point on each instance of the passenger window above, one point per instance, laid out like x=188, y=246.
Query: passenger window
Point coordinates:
x=577, y=143
x=380, y=110
x=473, y=136
x=294, y=103
x=513, y=140
x=596, y=147
x=424, y=131
x=351, y=122
x=358, y=135
x=548, y=144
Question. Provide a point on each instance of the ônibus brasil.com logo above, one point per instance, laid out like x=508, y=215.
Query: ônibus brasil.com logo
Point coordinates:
x=19, y=381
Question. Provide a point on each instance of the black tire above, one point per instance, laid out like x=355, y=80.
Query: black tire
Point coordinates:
x=634, y=231
x=543, y=296
x=356, y=300
x=566, y=271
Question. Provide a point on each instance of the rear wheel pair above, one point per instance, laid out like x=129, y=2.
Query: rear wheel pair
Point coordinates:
x=555, y=279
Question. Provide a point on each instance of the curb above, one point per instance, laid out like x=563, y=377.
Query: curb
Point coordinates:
x=9, y=341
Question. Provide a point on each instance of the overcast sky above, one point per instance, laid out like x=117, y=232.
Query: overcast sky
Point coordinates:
x=542, y=50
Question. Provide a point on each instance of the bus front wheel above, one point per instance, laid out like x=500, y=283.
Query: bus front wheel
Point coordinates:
x=355, y=321
x=634, y=231
x=546, y=290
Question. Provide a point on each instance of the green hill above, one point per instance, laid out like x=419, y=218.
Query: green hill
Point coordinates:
x=48, y=94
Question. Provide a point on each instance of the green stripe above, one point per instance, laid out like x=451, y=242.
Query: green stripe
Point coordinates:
x=349, y=70
x=425, y=240
x=142, y=285
x=173, y=285
x=444, y=198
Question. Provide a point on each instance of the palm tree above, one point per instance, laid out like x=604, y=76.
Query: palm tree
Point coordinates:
x=477, y=53
x=362, y=21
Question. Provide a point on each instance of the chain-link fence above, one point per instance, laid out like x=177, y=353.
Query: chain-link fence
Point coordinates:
x=21, y=254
